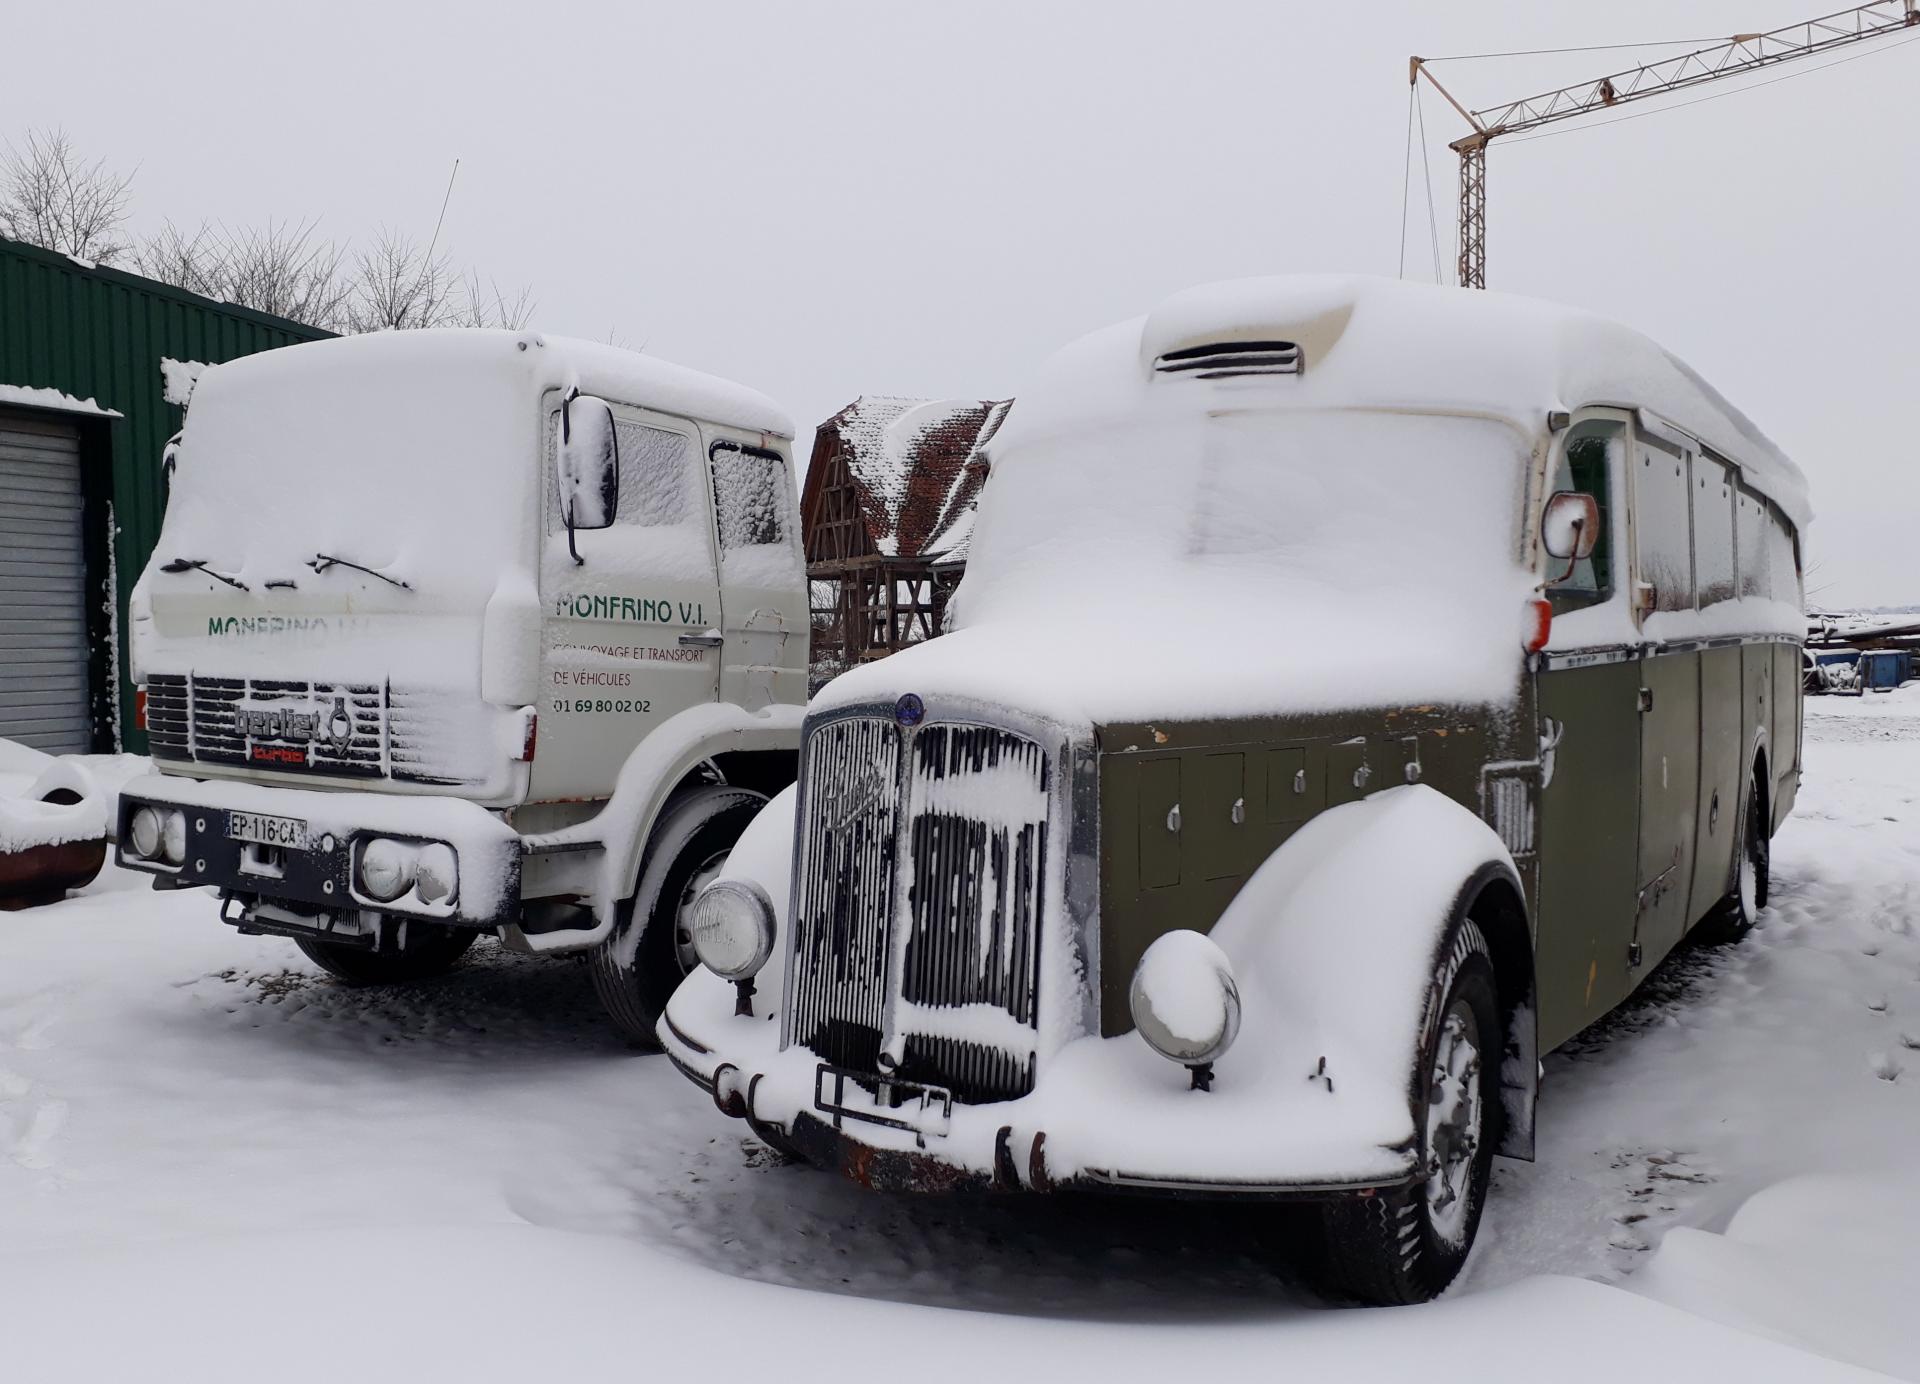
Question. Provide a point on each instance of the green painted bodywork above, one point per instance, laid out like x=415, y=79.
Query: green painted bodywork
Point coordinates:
x=100, y=334
x=1623, y=844
x=1241, y=788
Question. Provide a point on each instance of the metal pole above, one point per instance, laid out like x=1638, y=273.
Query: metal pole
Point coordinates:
x=1473, y=211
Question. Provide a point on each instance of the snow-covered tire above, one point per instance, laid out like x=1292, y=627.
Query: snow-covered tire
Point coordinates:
x=1732, y=918
x=430, y=951
x=1407, y=1244
x=649, y=952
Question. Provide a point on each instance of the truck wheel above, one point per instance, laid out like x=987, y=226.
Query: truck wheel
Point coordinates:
x=1407, y=1244
x=430, y=950
x=1733, y=917
x=650, y=950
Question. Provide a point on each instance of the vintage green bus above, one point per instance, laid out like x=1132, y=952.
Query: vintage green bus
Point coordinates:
x=1357, y=688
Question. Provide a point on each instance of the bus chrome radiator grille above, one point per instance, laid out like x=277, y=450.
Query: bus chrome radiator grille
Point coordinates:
x=967, y=1016
x=844, y=869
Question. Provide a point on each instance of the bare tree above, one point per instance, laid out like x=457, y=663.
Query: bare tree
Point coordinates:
x=485, y=305
x=189, y=261
x=399, y=285
x=49, y=198
x=285, y=269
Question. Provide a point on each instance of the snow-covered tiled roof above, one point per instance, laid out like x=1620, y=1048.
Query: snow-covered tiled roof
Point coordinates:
x=910, y=463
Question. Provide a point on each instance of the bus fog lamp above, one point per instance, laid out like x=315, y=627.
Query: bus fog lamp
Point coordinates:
x=173, y=837
x=1186, y=1002
x=732, y=928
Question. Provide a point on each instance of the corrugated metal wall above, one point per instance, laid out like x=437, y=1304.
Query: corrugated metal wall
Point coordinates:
x=101, y=334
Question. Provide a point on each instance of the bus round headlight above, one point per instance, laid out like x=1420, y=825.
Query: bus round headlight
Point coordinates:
x=173, y=837
x=386, y=869
x=145, y=831
x=733, y=928
x=436, y=874
x=1185, y=1000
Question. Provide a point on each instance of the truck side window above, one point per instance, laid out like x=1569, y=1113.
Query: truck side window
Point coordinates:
x=1585, y=465
x=657, y=477
x=749, y=490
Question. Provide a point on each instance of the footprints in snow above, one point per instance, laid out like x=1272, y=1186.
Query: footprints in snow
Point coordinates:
x=1660, y=1186
x=29, y=1124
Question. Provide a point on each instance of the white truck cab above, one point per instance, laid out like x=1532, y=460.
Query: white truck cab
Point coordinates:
x=451, y=632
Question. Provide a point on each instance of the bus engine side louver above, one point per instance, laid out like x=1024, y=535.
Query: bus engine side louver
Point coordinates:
x=1224, y=359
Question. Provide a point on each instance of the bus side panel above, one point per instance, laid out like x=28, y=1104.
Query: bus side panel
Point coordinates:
x=1588, y=844
x=1756, y=702
x=1670, y=802
x=1723, y=742
x=1783, y=745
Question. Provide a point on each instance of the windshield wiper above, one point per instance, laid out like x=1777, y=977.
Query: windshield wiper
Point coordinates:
x=199, y=564
x=322, y=561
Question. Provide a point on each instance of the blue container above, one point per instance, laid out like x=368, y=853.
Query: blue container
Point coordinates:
x=1882, y=670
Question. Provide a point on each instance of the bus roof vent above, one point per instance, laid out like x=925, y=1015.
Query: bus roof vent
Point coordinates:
x=1223, y=359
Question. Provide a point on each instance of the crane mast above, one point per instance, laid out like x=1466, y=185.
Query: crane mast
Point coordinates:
x=1741, y=54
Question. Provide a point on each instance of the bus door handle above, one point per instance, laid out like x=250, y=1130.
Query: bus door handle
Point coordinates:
x=712, y=639
x=1646, y=699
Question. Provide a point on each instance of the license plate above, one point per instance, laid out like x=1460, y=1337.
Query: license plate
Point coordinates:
x=920, y=1109
x=290, y=833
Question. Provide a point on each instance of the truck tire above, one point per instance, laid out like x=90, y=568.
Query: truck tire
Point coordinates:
x=431, y=950
x=1406, y=1244
x=1732, y=918
x=649, y=952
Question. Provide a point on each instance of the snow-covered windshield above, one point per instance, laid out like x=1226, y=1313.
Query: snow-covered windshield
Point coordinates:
x=420, y=468
x=1239, y=562
x=1305, y=509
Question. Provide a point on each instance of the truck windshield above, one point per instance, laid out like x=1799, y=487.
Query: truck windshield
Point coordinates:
x=291, y=469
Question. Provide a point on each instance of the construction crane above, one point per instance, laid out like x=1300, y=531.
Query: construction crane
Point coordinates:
x=1741, y=54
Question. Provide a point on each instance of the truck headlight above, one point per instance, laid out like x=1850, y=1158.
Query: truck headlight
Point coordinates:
x=1186, y=1003
x=436, y=873
x=173, y=837
x=732, y=928
x=144, y=832
x=386, y=869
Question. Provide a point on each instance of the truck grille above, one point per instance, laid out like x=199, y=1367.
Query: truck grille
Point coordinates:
x=918, y=903
x=357, y=730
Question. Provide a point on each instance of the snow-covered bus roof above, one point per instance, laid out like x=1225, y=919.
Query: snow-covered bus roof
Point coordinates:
x=1378, y=343
x=537, y=360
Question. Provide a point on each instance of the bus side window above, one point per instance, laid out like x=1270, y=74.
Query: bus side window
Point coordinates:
x=1663, y=527
x=1585, y=465
x=1750, y=513
x=1713, y=528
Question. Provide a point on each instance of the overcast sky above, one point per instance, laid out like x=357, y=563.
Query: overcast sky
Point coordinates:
x=829, y=199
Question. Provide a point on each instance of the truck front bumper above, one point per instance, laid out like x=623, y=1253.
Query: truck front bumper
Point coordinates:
x=316, y=878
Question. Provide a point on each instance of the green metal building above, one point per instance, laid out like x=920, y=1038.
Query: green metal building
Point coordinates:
x=95, y=369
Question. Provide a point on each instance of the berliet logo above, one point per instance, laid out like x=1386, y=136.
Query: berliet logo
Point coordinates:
x=284, y=723
x=855, y=796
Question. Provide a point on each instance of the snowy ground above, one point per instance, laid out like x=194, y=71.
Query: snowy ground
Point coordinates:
x=215, y=1164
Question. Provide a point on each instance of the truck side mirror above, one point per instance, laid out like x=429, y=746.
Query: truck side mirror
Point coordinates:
x=588, y=463
x=1571, y=525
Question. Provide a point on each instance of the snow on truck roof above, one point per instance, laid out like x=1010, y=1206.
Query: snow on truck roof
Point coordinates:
x=1366, y=342
x=541, y=360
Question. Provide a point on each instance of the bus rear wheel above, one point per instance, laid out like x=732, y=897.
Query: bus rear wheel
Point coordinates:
x=1733, y=918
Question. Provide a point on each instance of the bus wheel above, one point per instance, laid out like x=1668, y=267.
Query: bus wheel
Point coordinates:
x=430, y=950
x=1733, y=917
x=1406, y=1244
x=650, y=950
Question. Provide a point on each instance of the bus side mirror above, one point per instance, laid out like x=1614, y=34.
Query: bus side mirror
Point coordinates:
x=1571, y=525
x=588, y=461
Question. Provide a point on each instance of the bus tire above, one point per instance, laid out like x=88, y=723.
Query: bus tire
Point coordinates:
x=431, y=950
x=1732, y=918
x=649, y=952
x=1406, y=1244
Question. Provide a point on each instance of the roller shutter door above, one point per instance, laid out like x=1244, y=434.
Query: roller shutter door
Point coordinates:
x=43, y=627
